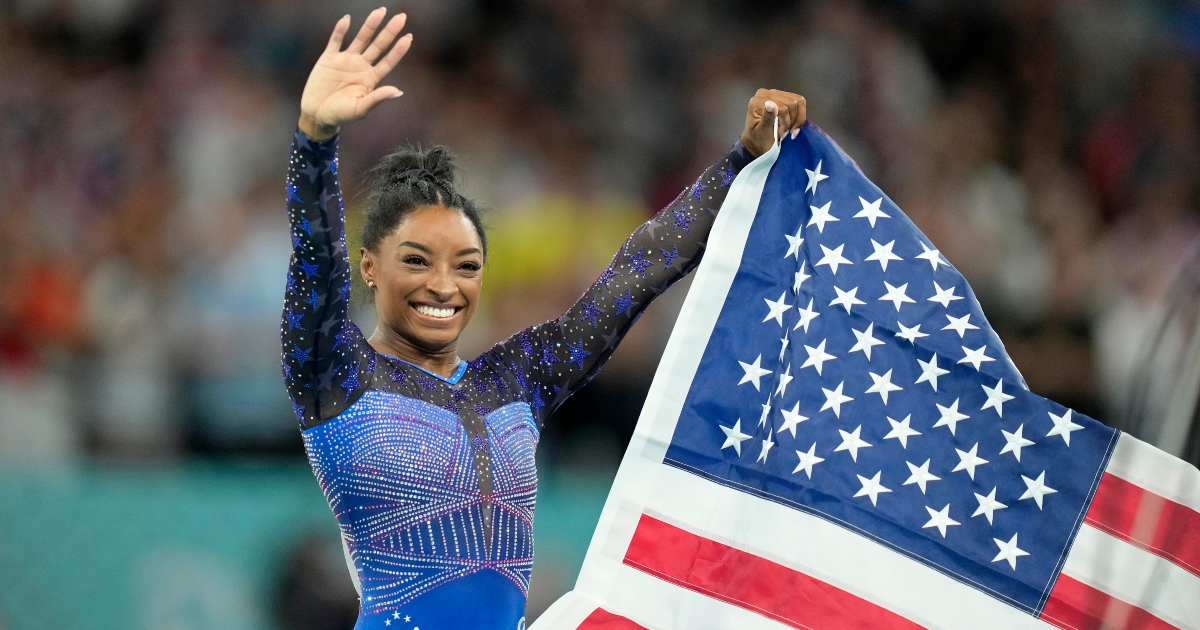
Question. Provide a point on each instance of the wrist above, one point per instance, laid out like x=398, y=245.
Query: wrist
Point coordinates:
x=316, y=130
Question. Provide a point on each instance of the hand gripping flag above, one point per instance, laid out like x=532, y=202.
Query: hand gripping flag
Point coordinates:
x=836, y=439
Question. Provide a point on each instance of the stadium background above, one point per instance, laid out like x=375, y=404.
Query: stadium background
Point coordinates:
x=151, y=471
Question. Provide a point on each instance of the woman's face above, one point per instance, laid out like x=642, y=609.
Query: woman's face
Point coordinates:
x=427, y=275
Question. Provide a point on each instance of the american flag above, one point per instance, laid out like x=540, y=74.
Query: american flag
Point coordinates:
x=836, y=438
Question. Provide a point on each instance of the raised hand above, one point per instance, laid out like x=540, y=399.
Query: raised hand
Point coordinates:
x=766, y=105
x=341, y=87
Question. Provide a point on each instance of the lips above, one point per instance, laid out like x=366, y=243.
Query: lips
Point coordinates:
x=437, y=312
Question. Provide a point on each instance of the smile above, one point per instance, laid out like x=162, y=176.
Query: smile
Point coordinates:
x=436, y=311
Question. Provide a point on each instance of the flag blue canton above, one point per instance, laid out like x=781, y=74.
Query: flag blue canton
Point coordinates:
x=851, y=374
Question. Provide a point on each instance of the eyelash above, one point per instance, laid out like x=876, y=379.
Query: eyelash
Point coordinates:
x=417, y=260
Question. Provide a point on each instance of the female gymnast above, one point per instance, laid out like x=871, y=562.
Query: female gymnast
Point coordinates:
x=426, y=459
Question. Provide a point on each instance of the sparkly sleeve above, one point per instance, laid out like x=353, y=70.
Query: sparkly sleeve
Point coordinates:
x=553, y=360
x=322, y=349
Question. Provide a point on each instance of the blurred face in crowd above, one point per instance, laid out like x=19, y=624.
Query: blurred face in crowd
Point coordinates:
x=427, y=273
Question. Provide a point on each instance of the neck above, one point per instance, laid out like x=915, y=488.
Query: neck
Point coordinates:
x=442, y=362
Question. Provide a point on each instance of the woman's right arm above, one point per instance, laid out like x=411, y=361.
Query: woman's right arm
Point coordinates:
x=320, y=369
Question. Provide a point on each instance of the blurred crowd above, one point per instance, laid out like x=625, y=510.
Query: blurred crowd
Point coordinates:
x=1049, y=148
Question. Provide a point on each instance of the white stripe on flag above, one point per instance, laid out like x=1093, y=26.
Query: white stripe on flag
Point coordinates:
x=1169, y=477
x=1135, y=576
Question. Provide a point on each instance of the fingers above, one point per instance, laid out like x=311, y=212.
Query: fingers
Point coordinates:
x=339, y=31
x=385, y=37
x=794, y=111
x=393, y=57
x=374, y=19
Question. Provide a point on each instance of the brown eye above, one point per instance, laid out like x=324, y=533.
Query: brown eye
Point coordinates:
x=413, y=259
x=470, y=266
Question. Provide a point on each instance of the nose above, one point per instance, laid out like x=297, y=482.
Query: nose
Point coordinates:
x=441, y=286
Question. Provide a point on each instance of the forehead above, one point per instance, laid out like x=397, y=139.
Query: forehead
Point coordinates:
x=436, y=225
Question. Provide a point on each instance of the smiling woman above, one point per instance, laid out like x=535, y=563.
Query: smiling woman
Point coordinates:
x=427, y=460
x=423, y=252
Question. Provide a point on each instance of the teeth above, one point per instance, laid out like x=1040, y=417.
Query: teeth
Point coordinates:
x=434, y=311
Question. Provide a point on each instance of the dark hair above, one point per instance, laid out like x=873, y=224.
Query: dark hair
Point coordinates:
x=407, y=179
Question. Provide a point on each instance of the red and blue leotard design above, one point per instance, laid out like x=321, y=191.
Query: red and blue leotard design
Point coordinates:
x=432, y=479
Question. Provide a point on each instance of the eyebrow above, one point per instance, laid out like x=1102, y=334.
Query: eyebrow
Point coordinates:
x=461, y=252
x=415, y=246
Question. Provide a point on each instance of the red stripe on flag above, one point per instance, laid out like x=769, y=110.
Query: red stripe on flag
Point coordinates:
x=749, y=581
x=1146, y=520
x=601, y=619
x=1077, y=606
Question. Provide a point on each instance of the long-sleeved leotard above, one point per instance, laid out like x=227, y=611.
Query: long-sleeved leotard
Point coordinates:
x=432, y=479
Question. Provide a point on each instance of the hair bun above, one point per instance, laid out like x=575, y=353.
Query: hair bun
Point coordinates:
x=413, y=164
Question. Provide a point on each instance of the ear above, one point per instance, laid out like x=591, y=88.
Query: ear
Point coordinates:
x=366, y=266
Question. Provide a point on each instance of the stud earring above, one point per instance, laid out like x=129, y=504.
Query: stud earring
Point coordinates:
x=371, y=283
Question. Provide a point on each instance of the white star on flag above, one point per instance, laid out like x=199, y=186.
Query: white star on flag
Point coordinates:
x=808, y=460
x=783, y=342
x=950, y=416
x=1036, y=489
x=932, y=255
x=791, y=419
x=975, y=357
x=800, y=278
x=870, y=211
x=1015, y=442
x=865, y=340
x=871, y=487
x=766, y=447
x=794, y=244
x=834, y=399
x=930, y=372
x=896, y=295
x=817, y=356
x=833, y=258
x=784, y=379
x=901, y=431
x=846, y=298
x=778, y=308
x=766, y=411
x=734, y=437
x=920, y=475
x=1063, y=426
x=969, y=460
x=882, y=385
x=996, y=398
x=940, y=519
x=987, y=505
x=959, y=325
x=1009, y=551
x=883, y=253
x=807, y=314
x=814, y=177
x=911, y=335
x=821, y=216
x=851, y=442
x=943, y=297
x=754, y=372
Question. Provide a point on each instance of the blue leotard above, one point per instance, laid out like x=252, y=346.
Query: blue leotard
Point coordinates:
x=432, y=479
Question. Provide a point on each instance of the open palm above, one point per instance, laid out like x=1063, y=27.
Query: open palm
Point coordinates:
x=342, y=85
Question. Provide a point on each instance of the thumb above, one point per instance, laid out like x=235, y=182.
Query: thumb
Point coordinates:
x=767, y=122
x=377, y=96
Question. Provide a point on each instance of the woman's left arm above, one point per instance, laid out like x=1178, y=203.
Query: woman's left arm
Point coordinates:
x=562, y=355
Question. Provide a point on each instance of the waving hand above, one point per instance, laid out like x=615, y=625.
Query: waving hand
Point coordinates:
x=342, y=85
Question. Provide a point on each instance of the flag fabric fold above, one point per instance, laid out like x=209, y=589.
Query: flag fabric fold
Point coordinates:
x=836, y=438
